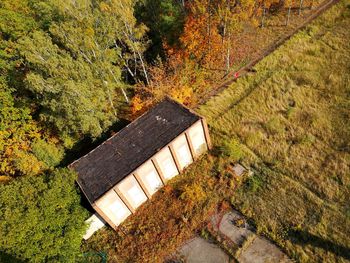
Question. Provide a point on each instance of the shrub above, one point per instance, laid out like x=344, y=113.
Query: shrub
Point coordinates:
x=192, y=193
x=254, y=138
x=48, y=153
x=307, y=139
x=253, y=183
x=232, y=149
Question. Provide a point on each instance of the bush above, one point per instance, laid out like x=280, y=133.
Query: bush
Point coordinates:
x=254, y=183
x=307, y=139
x=231, y=149
x=193, y=193
x=254, y=138
x=48, y=153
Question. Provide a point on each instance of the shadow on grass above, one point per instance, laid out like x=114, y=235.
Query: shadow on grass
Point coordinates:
x=4, y=257
x=304, y=238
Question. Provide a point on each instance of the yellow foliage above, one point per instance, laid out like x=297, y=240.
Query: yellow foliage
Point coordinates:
x=28, y=164
x=136, y=104
x=4, y=178
x=193, y=193
x=182, y=94
x=105, y=7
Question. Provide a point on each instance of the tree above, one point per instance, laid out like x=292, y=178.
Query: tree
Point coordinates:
x=165, y=20
x=200, y=39
x=288, y=4
x=130, y=34
x=41, y=219
x=232, y=16
x=71, y=97
x=266, y=5
x=18, y=130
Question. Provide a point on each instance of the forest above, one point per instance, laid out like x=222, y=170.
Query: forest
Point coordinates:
x=72, y=71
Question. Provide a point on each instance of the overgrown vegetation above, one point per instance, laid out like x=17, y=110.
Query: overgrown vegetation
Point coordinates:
x=299, y=193
x=294, y=122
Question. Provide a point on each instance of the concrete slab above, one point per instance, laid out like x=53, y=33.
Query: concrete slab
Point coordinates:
x=233, y=232
x=262, y=251
x=95, y=223
x=238, y=169
x=199, y=250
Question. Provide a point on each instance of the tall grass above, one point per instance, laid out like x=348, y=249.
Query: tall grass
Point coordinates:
x=294, y=116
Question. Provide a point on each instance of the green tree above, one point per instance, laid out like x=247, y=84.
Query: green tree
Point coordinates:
x=41, y=219
x=70, y=95
x=165, y=20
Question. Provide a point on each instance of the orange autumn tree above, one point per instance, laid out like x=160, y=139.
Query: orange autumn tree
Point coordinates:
x=200, y=40
x=204, y=48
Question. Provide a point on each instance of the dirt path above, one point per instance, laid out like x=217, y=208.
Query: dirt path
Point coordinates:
x=233, y=76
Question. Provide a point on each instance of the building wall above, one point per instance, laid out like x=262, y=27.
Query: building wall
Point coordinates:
x=182, y=151
x=113, y=208
x=117, y=204
x=131, y=192
x=147, y=175
x=166, y=163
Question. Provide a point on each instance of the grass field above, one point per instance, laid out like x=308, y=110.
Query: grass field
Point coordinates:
x=290, y=122
x=293, y=121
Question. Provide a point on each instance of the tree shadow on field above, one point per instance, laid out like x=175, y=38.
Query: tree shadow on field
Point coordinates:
x=304, y=238
x=4, y=257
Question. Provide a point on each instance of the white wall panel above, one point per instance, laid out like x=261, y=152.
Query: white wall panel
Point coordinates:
x=166, y=163
x=196, y=133
x=149, y=177
x=113, y=207
x=132, y=191
x=182, y=151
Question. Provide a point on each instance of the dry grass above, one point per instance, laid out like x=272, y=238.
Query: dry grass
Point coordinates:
x=293, y=118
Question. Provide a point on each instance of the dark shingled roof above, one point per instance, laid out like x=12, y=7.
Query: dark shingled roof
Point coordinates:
x=120, y=155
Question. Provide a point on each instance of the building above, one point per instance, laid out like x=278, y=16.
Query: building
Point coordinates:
x=128, y=168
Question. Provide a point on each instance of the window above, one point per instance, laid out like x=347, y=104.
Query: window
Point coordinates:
x=119, y=210
x=153, y=180
x=113, y=207
x=166, y=163
x=136, y=194
x=197, y=138
x=168, y=167
x=184, y=154
x=148, y=175
x=132, y=191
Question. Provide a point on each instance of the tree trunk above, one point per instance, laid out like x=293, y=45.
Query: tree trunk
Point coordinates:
x=288, y=16
x=228, y=52
x=111, y=101
x=263, y=17
x=301, y=6
x=123, y=91
x=209, y=28
x=143, y=67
